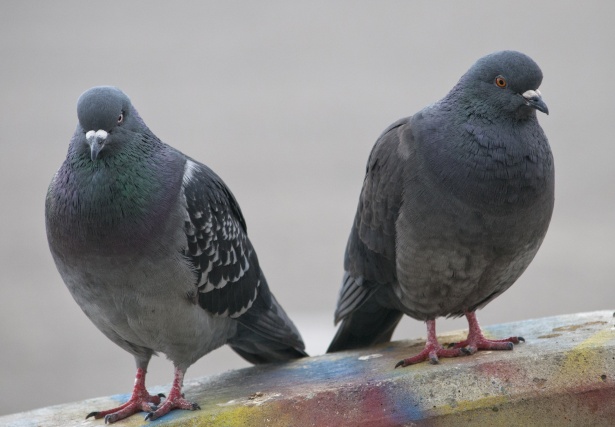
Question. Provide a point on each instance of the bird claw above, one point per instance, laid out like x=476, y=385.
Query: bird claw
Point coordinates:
x=136, y=404
x=432, y=353
x=468, y=351
x=170, y=404
x=482, y=343
x=473, y=344
x=476, y=339
x=152, y=415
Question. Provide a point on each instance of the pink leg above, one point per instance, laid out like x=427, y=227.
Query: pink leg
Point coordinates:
x=477, y=341
x=140, y=400
x=175, y=400
x=432, y=349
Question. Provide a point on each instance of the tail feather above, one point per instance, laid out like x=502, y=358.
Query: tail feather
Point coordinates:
x=367, y=325
x=257, y=349
x=265, y=333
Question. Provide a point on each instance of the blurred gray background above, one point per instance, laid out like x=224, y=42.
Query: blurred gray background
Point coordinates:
x=283, y=100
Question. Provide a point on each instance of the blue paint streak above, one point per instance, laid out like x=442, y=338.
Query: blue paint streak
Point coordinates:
x=406, y=404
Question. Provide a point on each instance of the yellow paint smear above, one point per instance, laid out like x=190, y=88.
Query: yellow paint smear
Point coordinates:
x=471, y=405
x=582, y=325
x=249, y=415
x=585, y=362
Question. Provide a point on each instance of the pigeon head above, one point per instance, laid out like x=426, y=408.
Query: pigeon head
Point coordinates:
x=105, y=112
x=504, y=84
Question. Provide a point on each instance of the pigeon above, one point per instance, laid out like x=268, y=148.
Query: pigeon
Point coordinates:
x=455, y=203
x=153, y=247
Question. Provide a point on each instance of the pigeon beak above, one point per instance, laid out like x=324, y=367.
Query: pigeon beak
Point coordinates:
x=96, y=141
x=533, y=98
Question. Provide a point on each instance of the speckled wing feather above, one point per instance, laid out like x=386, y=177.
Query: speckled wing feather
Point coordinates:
x=228, y=275
x=370, y=253
x=230, y=280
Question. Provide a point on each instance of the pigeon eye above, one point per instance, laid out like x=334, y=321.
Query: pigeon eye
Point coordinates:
x=500, y=82
x=120, y=119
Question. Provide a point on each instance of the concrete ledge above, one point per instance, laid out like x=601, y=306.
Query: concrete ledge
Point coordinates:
x=563, y=375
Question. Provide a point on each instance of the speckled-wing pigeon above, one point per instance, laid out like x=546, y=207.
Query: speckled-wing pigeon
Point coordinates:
x=153, y=246
x=455, y=203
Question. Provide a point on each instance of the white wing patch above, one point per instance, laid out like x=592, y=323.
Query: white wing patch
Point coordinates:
x=227, y=272
x=208, y=234
x=189, y=169
x=247, y=307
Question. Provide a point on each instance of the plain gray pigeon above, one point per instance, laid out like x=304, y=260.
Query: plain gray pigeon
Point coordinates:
x=455, y=203
x=153, y=246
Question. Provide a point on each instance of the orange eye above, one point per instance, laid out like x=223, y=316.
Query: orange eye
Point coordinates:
x=500, y=81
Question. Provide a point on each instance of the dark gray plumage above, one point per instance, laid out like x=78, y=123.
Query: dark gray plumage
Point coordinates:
x=153, y=247
x=455, y=204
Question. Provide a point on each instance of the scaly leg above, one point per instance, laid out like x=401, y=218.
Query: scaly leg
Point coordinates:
x=175, y=400
x=432, y=349
x=477, y=341
x=140, y=400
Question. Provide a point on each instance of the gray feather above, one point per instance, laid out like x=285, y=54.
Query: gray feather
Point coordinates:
x=153, y=245
x=456, y=201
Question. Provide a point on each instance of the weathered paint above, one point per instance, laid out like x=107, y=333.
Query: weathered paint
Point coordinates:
x=563, y=375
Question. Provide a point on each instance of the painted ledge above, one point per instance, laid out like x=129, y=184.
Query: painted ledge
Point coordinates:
x=563, y=375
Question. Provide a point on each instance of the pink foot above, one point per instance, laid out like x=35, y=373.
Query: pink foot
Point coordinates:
x=477, y=341
x=140, y=400
x=433, y=350
x=174, y=401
